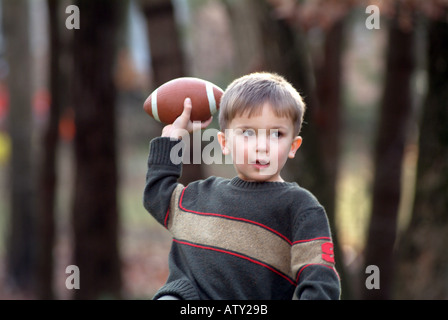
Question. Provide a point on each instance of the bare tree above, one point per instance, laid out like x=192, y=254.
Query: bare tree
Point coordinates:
x=166, y=50
x=48, y=178
x=20, y=242
x=392, y=132
x=423, y=263
x=95, y=209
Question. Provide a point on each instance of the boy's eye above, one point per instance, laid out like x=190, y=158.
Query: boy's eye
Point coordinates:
x=276, y=134
x=249, y=133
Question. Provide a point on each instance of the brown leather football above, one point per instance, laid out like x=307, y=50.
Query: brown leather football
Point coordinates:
x=166, y=103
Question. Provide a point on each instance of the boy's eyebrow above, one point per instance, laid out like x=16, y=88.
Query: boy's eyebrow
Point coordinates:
x=253, y=127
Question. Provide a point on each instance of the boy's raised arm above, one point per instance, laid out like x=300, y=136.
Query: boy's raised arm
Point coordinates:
x=161, y=178
x=162, y=174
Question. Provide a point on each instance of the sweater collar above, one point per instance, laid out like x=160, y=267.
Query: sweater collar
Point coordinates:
x=256, y=185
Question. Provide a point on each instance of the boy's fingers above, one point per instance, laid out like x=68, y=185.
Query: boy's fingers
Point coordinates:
x=206, y=123
x=183, y=120
x=187, y=108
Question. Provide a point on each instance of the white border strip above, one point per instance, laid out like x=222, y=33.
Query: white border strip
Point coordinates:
x=155, y=113
x=210, y=97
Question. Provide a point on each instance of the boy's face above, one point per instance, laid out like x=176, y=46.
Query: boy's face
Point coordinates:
x=260, y=144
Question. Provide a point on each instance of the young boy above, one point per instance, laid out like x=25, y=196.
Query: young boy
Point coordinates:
x=254, y=236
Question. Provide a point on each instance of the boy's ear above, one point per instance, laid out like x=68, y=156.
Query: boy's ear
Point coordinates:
x=295, y=145
x=223, y=142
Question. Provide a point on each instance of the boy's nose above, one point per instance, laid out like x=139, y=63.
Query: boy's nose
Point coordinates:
x=262, y=141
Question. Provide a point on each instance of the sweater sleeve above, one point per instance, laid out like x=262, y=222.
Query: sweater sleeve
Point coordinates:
x=312, y=258
x=161, y=177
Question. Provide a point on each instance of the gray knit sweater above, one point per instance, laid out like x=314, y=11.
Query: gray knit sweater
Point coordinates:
x=234, y=239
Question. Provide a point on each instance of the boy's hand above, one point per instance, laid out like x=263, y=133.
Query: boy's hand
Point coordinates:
x=182, y=126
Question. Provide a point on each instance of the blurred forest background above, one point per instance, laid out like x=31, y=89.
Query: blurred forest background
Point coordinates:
x=74, y=137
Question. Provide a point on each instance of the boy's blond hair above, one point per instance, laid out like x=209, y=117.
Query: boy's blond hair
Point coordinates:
x=247, y=95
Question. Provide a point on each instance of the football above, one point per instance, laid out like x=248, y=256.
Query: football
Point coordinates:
x=166, y=103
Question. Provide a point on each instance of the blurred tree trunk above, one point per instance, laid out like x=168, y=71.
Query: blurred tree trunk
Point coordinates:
x=47, y=179
x=166, y=51
x=423, y=262
x=20, y=243
x=284, y=50
x=327, y=118
x=393, y=124
x=95, y=211
x=168, y=60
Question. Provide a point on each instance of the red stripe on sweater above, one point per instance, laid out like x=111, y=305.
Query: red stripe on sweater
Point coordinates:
x=165, y=223
x=309, y=240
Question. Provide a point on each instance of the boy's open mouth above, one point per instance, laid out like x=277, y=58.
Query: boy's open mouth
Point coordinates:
x=261, y=163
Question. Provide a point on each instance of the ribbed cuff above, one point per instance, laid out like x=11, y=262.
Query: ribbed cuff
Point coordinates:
x=179, y=288
x=160, y=151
